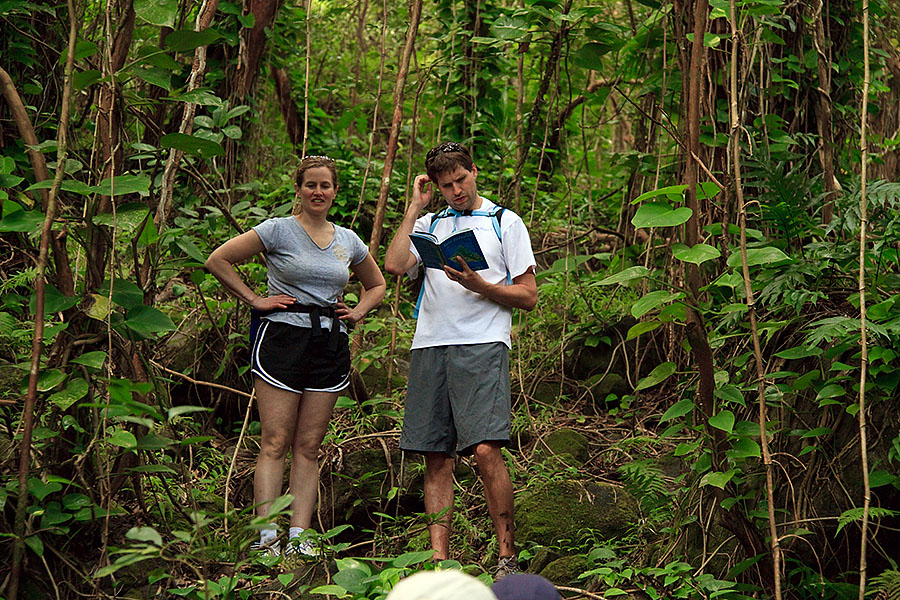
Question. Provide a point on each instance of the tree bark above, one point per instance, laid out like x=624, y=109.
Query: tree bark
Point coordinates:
x=253, y=43
x=823, y=114
x=415, y=13
x=288, y=107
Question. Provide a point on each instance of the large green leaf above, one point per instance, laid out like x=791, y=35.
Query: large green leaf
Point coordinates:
x=193, y=145
x=641, y=328
x=656, y=376
x=93, y=360
x=652, y=301
x=185, y=40
x=148, y=321
x=22, y=221
x=54, y=300
x=123, y=184
x=125, y=293
x=510, y=28
x=675, y=193
x=758, y=256
x=745, y=448
x=191, y=249
x=698, y=254
x=679, y=409
x=626, y=275
x=157, y=12
x=128, y=217
x=75, y=390
x=724, y=420
x=660, y=214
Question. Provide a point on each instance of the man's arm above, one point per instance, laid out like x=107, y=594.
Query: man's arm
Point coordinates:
x=399, y=258
x=521, y=293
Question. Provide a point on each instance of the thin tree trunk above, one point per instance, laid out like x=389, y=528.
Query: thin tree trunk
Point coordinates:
x=520, y=121
x=37, y=343
x=253, y=42
x=414, y=16
x=736, y=130
x=198, y=68
x=287, y=105
x=864, y=359
x=823, y=110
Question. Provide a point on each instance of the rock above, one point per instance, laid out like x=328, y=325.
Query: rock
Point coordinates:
x=565, y=570
x=568, y=444
x=564, y=509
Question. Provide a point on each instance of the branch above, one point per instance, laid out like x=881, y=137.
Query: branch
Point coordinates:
x=189, y=379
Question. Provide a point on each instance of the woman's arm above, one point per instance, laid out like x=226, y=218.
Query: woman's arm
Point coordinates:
x=236, y=250
x=374, y=288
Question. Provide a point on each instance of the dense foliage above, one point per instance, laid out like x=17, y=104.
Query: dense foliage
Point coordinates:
x=137, y=135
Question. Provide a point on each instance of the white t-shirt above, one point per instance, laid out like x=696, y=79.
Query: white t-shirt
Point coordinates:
x=452, y=315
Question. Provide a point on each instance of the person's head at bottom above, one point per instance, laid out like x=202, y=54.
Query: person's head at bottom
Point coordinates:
x=524, y=586
x=440, y=585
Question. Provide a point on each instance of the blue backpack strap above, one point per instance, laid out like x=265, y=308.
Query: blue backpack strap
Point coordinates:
x=495, y=214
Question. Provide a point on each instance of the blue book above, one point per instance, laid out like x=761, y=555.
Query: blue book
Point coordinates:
x=435, y=254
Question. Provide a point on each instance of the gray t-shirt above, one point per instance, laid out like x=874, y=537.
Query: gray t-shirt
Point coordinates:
x=296, y=266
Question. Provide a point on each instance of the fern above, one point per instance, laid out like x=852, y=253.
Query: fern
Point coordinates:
x=855, y=514
x=644, y=480
x=887, y=585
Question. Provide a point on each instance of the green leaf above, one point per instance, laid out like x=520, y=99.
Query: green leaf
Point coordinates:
x=697, y=255
x=49, y=379
x=125, y=293
x=412, y=558
x=76, y=389
x=799, y=352
x=652, y=301
x=157, y=12
x=656, y=376
x=629, y=274
x=745, y=448
x=85, y=79
x=717, y=479
x=21, y=221
x=832, y=390
x=351, y=580
x=285, y=578
x=329, y=590
x=148, y=321
x=41, y=490
x=675, y=193
x=679, y=409
x=881, y=478
x=641, y=328
x=185, y=40
x=177, y=411
x=127, y=218
x=191, y=249
x=758, y=256
x=123, y=439
x=510, y=28
x=658, y=214
x=153, y=469
x=54, y=301
x=232, y=132
x=192, y=145
x=145, y=534
x=123, y=184
x=201, y=97
x=94, y=359
x=99, y=308
x=36, y=545
x=157, y=76
x=724, y=420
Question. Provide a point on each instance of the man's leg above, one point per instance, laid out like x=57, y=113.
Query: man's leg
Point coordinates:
x=498, y=492
x=438, y=497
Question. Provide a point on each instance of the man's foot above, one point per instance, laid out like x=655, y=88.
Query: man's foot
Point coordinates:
x=272, y=548
x=298, y=547
x=506, y=565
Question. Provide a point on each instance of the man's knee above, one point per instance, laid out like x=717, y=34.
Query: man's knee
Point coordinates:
x=487, y=451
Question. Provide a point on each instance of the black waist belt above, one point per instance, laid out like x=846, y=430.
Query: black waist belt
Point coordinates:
x=315, y=314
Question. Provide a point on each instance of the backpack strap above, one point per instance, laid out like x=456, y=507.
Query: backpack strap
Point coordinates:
x=495, y=214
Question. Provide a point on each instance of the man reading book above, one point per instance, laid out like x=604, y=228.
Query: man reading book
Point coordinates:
x=458, y=398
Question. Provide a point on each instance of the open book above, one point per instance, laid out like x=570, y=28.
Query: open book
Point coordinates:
x=462, y=243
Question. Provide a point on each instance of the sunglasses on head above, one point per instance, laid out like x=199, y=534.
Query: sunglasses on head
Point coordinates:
x=444, y=148
x=319, y=156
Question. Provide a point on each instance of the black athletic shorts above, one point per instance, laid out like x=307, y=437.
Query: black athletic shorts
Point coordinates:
x=290, y=358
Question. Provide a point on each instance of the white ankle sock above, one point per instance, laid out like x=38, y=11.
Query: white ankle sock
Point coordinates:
x=295, y=532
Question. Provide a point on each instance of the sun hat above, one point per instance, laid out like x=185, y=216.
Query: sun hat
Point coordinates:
x=448, y=584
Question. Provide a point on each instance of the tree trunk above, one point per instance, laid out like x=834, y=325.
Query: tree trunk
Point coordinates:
x=415, y=12
x=288, y=107
x=253, y=42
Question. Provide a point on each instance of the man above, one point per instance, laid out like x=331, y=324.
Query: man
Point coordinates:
x=458, y=399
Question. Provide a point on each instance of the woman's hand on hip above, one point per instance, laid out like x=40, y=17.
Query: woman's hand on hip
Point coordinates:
x=272, y=302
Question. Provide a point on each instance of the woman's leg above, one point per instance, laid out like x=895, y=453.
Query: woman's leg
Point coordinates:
x=311, y=426
x=278, y=411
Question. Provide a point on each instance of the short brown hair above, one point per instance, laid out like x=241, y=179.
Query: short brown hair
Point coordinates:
x=447, y=157
x=312, y=162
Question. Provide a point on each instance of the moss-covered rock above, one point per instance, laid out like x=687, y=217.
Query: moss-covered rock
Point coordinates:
x=569, y=444
x=565, y=570
x=563, y=510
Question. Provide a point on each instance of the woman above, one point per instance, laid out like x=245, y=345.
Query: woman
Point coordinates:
x=300, y=356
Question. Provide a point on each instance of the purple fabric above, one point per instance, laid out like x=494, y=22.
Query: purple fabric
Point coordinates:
x=524, y=586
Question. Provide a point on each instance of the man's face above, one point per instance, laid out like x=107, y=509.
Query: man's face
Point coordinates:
x=459, y=189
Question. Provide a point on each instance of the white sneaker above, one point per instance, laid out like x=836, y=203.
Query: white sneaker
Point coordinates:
x=302, y=548
x=272, y=548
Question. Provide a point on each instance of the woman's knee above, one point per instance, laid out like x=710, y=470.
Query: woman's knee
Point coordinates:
x=307, y=447
x=274, y=444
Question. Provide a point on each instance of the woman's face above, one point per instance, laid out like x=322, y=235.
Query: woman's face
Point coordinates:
x=317, y=191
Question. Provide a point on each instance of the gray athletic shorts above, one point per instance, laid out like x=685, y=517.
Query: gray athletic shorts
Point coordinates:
x=458, y=396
